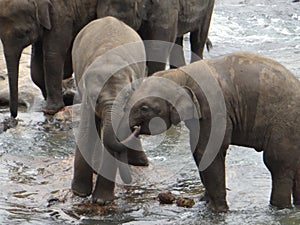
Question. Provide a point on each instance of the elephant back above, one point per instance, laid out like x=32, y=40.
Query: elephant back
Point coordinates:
x=106, y=40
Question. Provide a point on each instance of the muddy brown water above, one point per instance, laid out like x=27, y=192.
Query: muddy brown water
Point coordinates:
x=36, y=156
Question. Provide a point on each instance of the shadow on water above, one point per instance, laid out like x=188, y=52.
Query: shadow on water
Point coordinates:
x=36, y=156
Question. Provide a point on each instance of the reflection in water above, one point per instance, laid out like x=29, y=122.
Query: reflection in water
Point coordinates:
x=36, y=170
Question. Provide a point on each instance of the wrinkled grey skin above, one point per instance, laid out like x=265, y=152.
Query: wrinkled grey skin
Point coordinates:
x=262, y=100
x=50, y=26
x=99, y=52
x=166, y=21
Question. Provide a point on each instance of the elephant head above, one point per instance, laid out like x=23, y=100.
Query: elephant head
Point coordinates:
x=159, y=103
x=21, y=23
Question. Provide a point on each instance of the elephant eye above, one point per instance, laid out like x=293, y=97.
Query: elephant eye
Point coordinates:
x=145, y=108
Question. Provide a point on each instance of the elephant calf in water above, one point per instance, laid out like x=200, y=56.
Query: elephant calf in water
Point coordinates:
x=107, y=57
x=241, y=99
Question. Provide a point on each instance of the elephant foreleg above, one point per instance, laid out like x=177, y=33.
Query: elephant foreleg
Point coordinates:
x=105, y=184
x=37, y=67
x=55, y=48
x=82, y=182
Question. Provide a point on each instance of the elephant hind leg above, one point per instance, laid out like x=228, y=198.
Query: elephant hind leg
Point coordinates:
x=177, y=55
x=37, y=67
x=281, y=191
x=197, y=45
x=82, y=182
x=296, y=188
x=282, y=179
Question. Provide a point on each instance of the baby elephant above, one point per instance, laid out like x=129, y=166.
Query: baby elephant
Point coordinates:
x=240, y=99
x=107, y=57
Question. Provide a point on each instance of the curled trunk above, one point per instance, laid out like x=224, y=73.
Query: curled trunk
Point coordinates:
x=119, y=148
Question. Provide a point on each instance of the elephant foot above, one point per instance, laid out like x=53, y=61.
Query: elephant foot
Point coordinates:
x=81, y=189
x=51, y=109
x=204, y=197
x=277, y=205
x=104, y=199
x=218, y=207
x=137, y=158
x=104, y=191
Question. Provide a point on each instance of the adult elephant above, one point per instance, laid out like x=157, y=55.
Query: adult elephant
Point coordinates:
x=108, y=56
x=50, y=26
x=166, y=21
x=255, y=103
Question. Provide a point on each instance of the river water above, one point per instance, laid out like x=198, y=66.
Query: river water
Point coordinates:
x=36, y=156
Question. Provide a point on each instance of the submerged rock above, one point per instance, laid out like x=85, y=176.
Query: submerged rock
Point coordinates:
x=8, y=123
x=166, y=198
x=185, y=202
x=169, y=198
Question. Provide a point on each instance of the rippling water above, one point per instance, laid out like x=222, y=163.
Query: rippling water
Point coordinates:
x=32, y=169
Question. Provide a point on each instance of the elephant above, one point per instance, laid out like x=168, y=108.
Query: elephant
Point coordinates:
x=166, y=21
x=50, y=27
x=108, y=56
x=242, y=99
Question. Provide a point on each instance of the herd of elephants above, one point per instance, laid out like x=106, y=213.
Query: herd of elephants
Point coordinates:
x=241, y=98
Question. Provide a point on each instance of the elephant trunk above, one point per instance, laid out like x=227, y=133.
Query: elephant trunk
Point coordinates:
x=111, y=141
x=12, y=57
x=119, y=148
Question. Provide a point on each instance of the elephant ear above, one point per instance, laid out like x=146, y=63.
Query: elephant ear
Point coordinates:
x=43, y=8
x=186, y=108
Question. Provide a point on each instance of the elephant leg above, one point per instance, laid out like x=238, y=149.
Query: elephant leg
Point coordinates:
x=159, y=37
x=197, y=45
x=199, y=37
x=68, y=83
x=296, y=188
x=157, y=52
x=37, y=67
x=281, y=191
x=282, y=178
x=213, y=179
x=82, y=182
x=68, y=69
x=105, y=184
x=55, y=50
x=176, y=58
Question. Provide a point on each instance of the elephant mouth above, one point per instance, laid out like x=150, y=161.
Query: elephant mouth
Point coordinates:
x=143, y=128
x=136, y=129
